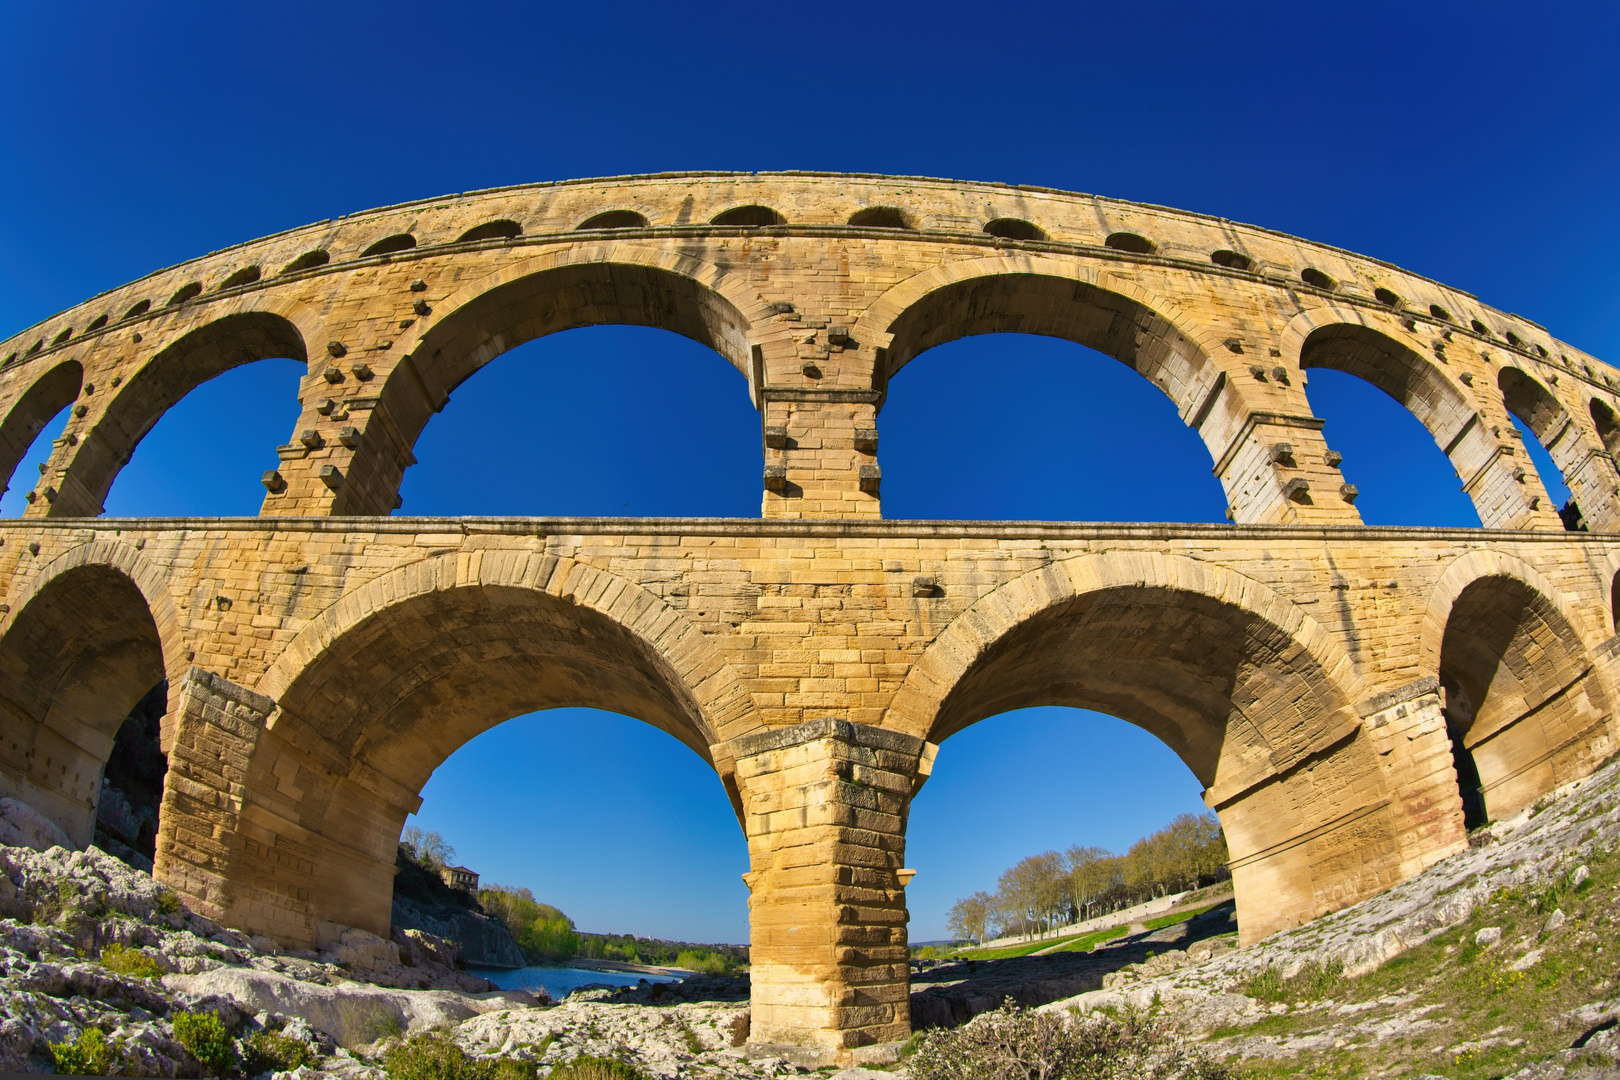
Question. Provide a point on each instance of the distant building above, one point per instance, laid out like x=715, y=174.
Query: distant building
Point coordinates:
x=459, y=877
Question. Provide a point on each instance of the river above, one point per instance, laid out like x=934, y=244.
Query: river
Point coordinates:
x=560, y=981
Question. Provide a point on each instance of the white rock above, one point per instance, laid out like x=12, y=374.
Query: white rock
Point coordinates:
x=1488, y=936
x=1554, y=921
x=1527, y=961
x=352, y=1013
x=23, y=826
x=1579, y=876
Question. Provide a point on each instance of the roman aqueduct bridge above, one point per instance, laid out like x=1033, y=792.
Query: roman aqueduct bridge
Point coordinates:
x=1322, y=679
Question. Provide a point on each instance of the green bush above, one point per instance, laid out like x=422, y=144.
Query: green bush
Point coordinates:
x=704, y=961
x=204, y=1034
x=126, y=961
x=168, y=901
x=586, y=1067
x=270, y=1051
x=433, y=1056
x=90, y=1055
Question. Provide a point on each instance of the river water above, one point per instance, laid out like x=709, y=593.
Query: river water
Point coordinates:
x=560, y=981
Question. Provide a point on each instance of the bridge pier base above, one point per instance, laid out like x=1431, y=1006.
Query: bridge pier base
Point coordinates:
x=825, y=805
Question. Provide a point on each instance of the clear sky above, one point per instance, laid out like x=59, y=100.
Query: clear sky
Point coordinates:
x=1476, y=143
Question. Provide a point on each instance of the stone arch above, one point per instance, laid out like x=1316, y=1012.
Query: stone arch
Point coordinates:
x=1249, y=691
x=590, y=285
x=1049, y=297
x=1608, y=426
x=85, y=638
x=1590, y=479
x=53, y=391
x=132, y=409
x=1521, y=697
x=379, y=690
x=1343, y=340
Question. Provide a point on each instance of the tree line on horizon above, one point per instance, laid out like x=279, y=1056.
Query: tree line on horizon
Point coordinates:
x=1043, y=893
x=547, y=935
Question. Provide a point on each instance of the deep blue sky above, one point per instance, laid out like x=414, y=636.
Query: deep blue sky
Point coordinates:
x=1475, y=143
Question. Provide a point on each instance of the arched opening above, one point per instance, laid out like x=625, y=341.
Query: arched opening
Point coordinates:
x=881, y=217
x=245, y=276
x=627, y=445
x=501, y=229
x=80, y=656
x=1131, y=242
x=1314, y=277
x=546, y=303
x=1440, y=313
x=1608, y=428
x=309, y=260
x=1388, y=297
x=1242, y=702
x=1521, y=703
x=367, y=721
x=979, y=391
x=1548, y=436
x=1014, y=229
x=66, y=333
x=748, y=217
x=390, y=244
x=96, y=324
x=656, y=813
x=615, y=219
x=183, y=470
x=1399, y=478
x=32, y=426
x=1232, y=260
x=140, y=308
x=189, y=291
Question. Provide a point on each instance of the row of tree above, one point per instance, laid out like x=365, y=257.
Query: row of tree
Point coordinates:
x=1045, y=892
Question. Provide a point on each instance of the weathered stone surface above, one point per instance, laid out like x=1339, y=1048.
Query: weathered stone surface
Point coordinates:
x=1320, y=679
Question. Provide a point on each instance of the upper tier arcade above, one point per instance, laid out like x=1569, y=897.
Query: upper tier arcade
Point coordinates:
x=817, y=287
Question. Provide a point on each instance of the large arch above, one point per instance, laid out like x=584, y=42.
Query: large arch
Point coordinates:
x=616, y=284
x=1048, y=297
x=1523, y=704
x=53, y=391
x=1589, y=474
x=1342, y=341
x=1249, y=691
x=81, y=647
x=381, y=689
x=140, y=402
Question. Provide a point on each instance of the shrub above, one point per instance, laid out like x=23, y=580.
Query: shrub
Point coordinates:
x=204, y=1034
x=90, y=1055
x=704, y=961
x=1015, y=1042
x=1313, y=982
x=126, y=961
x=434, y=1056
x=586, y=1067
x=168, y=901
x=269, y=1051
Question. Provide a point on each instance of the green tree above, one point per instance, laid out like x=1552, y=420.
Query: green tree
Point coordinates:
x=429, y=848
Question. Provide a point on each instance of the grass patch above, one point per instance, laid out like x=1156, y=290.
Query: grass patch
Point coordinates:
x=1179, y=917
x=126, y=961
x=1088, y=942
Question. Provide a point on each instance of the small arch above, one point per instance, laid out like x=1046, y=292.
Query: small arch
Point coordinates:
x=1440, y=313
x=1387, y=296
x=1608, y=426
x=309, y=260
x=1480, y=328
x=749, y=217
x=66, y=333
x=499, y=229
x=100, y=321
x=615, y=219
x=245, y=276
x=1232, y=260
x=138, y=310
x=1312, y=276
x=12, y=359
x=1541, y=351
x=1131, y=242
x=1014, y=229
x=881, y=217
x=35, y=347
x=48, y=396
x=1515, y=340
x=189, y=291
x=390, y=244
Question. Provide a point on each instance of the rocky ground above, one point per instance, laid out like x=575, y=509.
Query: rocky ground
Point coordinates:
x=1499, y=961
